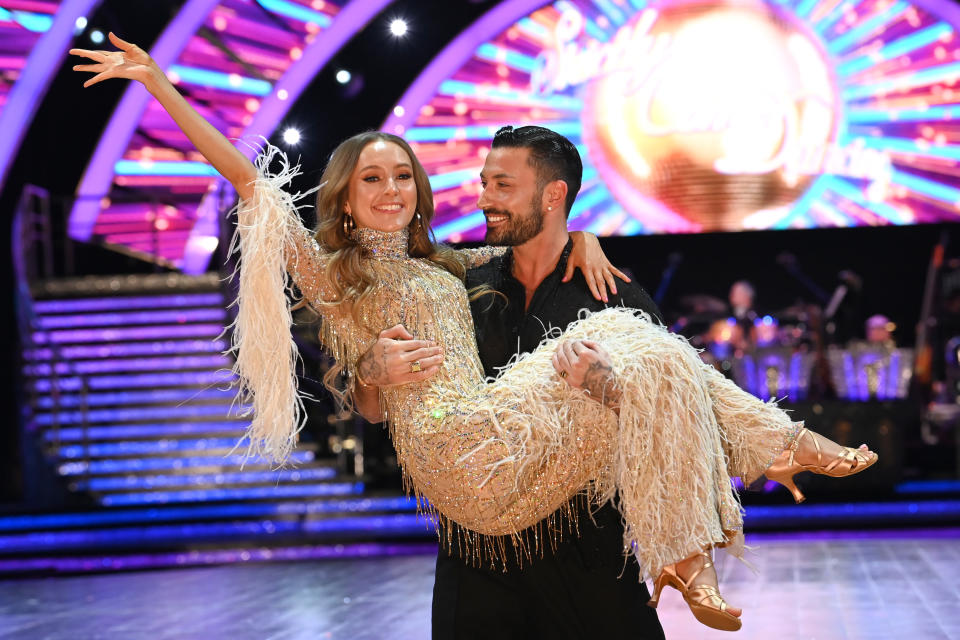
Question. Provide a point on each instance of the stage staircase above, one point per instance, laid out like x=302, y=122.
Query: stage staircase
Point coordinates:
x=127, y=396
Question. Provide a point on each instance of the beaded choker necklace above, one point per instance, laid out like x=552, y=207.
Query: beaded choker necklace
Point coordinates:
x=383, y=244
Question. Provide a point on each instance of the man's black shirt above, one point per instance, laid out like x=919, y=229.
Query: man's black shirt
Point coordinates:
x=503, y=327
x=583, y=588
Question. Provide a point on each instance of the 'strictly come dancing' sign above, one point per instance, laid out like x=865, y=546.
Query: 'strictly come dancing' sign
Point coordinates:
x=711, y=115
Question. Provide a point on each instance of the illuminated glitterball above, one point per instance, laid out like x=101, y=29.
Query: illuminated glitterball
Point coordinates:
x=721, y=114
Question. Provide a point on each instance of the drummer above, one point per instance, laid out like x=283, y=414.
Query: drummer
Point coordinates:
x=741, y=299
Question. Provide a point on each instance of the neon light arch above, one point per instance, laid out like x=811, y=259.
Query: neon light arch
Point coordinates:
x=242, y=64
x=893, y=63
x=35, y=41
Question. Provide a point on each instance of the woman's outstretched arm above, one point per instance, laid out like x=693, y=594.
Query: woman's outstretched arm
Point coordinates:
x=133, y=63
x=272, y=241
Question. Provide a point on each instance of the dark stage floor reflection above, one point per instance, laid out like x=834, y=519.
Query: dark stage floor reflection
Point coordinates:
x=807, y=586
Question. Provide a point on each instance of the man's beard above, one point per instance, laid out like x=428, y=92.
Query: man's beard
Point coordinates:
x=517, y=230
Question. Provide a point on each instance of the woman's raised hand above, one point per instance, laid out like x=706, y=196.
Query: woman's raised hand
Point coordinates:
x=133, y=63
x=130, y=62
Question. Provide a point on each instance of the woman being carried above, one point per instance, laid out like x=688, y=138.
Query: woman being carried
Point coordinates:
x=499, y=457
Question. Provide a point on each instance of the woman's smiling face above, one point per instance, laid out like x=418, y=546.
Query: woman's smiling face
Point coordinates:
x=382, y=194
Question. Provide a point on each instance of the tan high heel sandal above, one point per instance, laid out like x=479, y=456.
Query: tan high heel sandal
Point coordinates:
x=705, y=601
x=847, y=463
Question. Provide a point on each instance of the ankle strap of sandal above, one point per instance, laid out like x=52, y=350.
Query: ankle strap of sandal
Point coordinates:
x=707, y=563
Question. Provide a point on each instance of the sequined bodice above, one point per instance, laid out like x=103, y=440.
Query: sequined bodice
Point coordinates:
x=432, y=304
x=428, y=301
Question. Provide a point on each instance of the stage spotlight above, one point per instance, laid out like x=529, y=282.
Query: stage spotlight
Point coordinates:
x=398, y=27
x=81, y=23
x=96, y=36
x=343, y=76
x=291, y=136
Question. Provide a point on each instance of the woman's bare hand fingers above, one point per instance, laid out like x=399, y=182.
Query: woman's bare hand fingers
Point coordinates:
x=98, y=56
x=592, y=284
x=610, y=280
x=100, y=77
x=120, y=43
x=600, y=283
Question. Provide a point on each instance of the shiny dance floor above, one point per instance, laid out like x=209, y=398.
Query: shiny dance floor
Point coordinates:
x=808, y=586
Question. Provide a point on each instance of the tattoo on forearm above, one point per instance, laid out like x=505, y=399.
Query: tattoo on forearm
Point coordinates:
x=601, y=382
x=369, y=369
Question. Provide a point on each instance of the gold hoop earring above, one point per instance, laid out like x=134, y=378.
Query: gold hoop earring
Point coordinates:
x=419, y=220
x=348, y=224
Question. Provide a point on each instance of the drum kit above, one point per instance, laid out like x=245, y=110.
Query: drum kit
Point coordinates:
x=784, y=355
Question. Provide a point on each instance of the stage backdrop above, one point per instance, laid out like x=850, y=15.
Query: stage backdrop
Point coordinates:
x=705, y=116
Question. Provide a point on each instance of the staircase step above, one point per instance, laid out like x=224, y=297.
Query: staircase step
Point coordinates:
x=135, y=483
x=204, y=446
x=929, y=487
x=126, y=350
x=159, y=430
x=132, y=400
x=60, y=565
x=168, y=535
x=135, y=465
x=125, y=334
x=191, y=513
x=244, y=493
x=133, y=414
x=143, y=380
x=182, y=316
x=119, y=398
x=94, y=367
x=75, y=305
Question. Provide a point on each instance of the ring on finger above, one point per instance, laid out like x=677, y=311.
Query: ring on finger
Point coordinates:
x=415, y=366
x=563, y=374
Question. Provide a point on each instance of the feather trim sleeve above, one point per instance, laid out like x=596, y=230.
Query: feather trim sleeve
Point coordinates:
x=271, y=239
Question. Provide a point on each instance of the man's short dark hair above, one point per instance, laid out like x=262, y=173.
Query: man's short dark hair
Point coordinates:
x=552, y=156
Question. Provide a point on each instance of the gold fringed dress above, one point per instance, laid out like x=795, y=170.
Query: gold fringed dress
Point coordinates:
x=499, y=456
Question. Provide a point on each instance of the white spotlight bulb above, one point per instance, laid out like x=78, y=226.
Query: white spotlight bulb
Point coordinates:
x=398, y=27
x=96, y=36
x=291, y=136
x=343, y=76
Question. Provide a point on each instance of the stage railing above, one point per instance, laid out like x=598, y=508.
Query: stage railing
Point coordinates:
x=32, y=251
